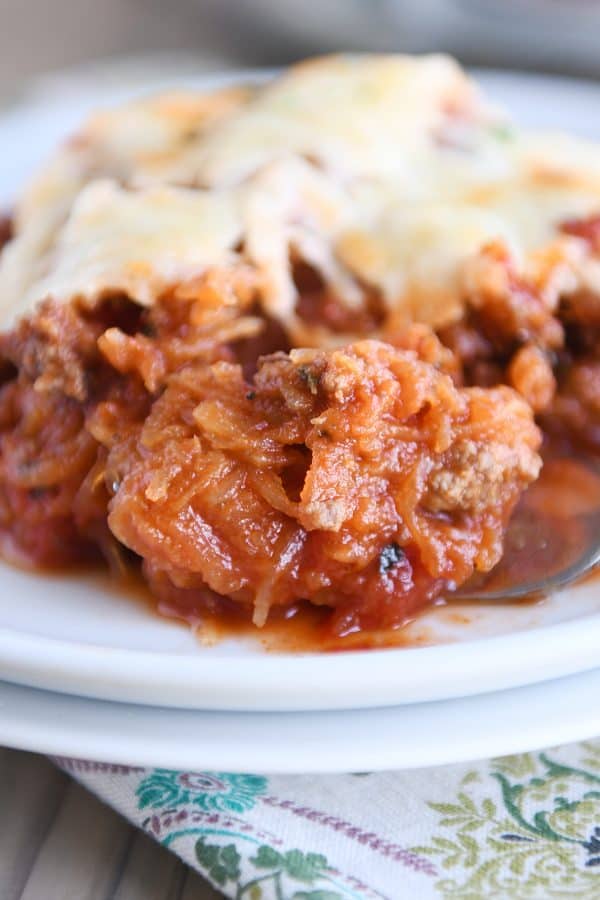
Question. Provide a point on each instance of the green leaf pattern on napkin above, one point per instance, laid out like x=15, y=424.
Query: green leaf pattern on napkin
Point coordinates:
x=222, y=865
x=534, y=833
x=524, y=827
x=185, y=805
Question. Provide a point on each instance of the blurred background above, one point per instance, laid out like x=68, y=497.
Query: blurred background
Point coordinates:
x=38, y=36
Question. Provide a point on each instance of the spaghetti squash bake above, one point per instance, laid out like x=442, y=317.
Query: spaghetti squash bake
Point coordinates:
x=296, y=341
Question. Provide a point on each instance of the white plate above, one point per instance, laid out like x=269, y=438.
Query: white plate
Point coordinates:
x=79, y=636
x=403, y=737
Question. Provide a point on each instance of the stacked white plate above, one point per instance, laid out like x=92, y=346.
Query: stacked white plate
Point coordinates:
x=89, y=672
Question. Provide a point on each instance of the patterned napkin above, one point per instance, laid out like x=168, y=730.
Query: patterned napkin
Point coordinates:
x=525, y=826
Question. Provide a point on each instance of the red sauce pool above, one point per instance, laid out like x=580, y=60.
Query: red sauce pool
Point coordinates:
x=302, y=628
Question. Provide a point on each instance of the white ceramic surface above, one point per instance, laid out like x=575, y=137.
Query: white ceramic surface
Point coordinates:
x=402, y=737
x=80, y=636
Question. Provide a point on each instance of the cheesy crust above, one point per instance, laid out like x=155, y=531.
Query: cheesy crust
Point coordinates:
x=386, y=174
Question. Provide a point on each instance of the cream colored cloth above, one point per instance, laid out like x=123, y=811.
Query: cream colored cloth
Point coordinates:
x=525, y=826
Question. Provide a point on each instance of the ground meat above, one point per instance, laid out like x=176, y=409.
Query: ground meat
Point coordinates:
x=580, y=313
x=507, y=309
x=45, y=454
x=424, y=342
x=54, y=350
x=576, y=407
x=194, y=324
x=74, y=380
x=366, y=477
x=477, y=473
x=53, y=502
x=530, y=373
x=296, y=485
x=322, y=313
x=540, y=335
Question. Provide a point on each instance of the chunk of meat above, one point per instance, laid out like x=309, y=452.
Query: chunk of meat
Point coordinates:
x=540, y=333
x=45, y=454
x=55, y=349
x=194, y=324
x=507, y=308
x=339, y=477
x=530, y=373
x=576, y=407
x=420, y=339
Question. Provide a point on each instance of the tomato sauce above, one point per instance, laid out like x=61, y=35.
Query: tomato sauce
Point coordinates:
x=302, y=628
x=553, y=519
x=548, y=529
x=359, y=477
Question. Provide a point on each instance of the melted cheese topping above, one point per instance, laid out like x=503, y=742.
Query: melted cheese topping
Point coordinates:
x=138, y=244
x=385, y=171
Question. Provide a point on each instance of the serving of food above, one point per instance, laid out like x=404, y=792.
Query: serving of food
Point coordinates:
x=304, y=343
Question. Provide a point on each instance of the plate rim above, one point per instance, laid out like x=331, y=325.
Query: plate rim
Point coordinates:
x=390, y=739
x=82, y=669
